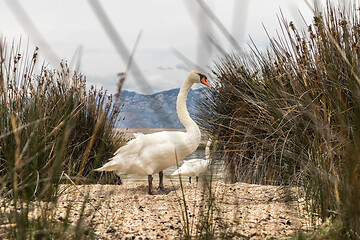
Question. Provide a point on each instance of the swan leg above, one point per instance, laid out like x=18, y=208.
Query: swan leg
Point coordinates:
x=150, y=178
x=161, y=182
x=161, y=190
x=197, y=179
x=189, y=179
x=119, y=181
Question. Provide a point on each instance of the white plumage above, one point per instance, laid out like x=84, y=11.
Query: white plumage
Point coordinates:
x=151, y=153
x=195, y=167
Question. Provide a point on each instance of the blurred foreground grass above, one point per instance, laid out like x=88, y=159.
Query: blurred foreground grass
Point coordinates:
x=50, y=127
x=292, y=115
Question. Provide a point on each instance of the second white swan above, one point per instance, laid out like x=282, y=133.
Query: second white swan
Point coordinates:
x=195, y=167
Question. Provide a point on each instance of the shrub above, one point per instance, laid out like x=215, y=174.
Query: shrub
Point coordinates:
x=291, y=115
x=49, y=124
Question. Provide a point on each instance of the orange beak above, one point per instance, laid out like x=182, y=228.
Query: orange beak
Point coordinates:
x=204, y=81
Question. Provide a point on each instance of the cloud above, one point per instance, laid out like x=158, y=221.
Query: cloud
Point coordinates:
x=162, y=68
x=181, y=66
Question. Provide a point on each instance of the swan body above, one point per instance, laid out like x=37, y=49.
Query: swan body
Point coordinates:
x=195, y=167
x=152, y=153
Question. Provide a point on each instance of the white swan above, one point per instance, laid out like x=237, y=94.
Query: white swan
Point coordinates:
x=195, y=167
x=152, y=153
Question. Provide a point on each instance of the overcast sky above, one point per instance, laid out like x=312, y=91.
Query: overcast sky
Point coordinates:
x=67, y=26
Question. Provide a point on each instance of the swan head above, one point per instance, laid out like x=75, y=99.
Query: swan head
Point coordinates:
x=197, y=76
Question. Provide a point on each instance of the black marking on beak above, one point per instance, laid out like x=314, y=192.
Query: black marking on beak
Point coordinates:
x=202, y=76
x=203, y=79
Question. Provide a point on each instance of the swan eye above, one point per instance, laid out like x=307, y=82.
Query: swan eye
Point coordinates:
x=203, y=79
x=202, y=76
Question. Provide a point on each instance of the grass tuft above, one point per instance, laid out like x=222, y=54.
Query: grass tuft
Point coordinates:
x=291, y=115
x=50, y=127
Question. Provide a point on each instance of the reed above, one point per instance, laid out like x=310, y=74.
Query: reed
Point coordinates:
x=49, y=125
x=291, y=115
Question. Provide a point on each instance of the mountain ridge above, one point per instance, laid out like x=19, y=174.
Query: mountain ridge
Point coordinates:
x=157, y=110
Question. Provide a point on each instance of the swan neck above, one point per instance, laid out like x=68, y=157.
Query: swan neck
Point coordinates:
x=181, y=108
x=207, y=150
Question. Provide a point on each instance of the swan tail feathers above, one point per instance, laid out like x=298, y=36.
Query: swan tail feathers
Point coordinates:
x=110, y=166
x=106, y=168
x=177, y=172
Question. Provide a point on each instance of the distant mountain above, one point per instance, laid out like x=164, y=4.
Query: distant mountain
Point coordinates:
x=154, y=111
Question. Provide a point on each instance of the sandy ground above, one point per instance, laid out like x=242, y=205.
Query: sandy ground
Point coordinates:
x=243, y=211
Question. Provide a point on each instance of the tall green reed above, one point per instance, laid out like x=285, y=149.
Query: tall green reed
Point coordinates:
x=50, y=124
x=291, y=115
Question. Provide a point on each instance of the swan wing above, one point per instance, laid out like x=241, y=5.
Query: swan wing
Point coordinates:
x=162, y=150
x=149, y=153
x=138, y=134
x=131, y=144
